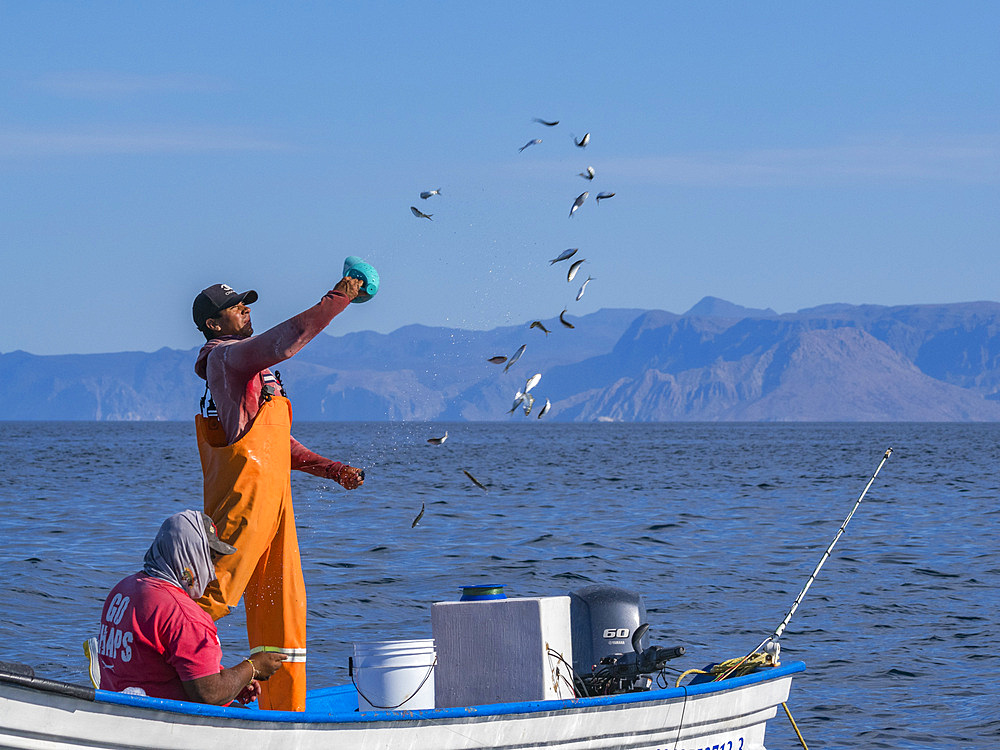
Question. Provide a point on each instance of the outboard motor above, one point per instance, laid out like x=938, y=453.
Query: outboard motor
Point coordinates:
x=610, y=647
x=602, y=622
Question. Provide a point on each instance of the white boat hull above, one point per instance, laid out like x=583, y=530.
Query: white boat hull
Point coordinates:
x=728, y=715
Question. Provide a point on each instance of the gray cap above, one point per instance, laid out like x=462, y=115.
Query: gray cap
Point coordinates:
x=214, y=543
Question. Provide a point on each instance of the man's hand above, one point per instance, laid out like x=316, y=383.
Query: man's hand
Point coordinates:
x=349, y=287
x=350, y=478
x=266, y=663
x=249, y=694
x=236, y=682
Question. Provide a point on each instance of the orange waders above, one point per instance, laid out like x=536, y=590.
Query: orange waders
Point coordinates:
x=248, y=493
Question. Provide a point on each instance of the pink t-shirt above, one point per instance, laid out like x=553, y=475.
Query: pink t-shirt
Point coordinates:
x=154, y=636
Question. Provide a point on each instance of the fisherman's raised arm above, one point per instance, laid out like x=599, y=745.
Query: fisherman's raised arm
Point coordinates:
x=249, y=356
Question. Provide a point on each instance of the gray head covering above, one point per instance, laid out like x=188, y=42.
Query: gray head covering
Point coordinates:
x=180, y=553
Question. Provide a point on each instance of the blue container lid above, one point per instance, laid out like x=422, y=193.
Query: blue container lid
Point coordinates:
x=483, y=592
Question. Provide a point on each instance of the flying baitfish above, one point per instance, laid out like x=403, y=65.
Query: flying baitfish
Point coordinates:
x=528, y=403
x=420, y=214
x=516, y=356
x=582, y=288
x=518, y=398
x=475, y=481
x=564, y=255
x=583, y=141
x=574, y=268
x=588, y=174
x=530, y=143
x=541, y=326
x=578, y=202
x=601, y=196
x=546, y=122
x=545, y=409
x=428, y=193
x=564, y=321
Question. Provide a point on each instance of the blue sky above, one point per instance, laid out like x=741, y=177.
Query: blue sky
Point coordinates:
x=780, y=154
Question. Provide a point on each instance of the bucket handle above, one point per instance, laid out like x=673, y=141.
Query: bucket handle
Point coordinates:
x=430, y=671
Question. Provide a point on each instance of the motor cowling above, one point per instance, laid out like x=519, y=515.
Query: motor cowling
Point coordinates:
x=603, y=621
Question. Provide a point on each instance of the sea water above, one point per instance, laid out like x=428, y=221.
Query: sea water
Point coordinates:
x=718, y=526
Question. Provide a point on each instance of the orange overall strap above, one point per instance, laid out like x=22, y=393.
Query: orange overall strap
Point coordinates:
x=248, y=493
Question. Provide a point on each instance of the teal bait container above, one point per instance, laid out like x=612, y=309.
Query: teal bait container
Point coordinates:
x=358, y=269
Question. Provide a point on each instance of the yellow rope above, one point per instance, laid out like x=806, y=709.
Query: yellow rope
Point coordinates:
x=741, y=666
x=736, y=667
x=685, y=674
x=795, y=726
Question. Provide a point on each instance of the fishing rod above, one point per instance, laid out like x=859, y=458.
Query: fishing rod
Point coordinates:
x=770, y=644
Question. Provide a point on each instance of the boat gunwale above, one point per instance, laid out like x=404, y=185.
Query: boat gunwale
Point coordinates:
x=396, y=718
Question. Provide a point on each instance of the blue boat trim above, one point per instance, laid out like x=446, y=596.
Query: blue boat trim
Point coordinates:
x=497, y=709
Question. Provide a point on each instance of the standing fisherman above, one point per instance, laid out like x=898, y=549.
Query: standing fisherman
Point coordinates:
x=247, y=452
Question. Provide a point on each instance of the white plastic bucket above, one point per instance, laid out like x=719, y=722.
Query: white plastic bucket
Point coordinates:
x=395, y=675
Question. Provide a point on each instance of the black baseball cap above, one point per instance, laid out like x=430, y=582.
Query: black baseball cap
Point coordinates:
x=216, y=298
x=214, y=543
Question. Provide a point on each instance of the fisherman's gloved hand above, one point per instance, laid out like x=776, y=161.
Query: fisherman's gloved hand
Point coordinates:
x=350, y=478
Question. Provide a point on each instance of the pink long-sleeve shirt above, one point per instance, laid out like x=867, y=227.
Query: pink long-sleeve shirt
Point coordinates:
x=231, y=367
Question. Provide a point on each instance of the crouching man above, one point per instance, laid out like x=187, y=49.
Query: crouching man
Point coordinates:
x=155, y=640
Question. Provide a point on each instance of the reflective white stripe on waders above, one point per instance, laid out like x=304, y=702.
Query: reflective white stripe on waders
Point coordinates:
x=293, y=654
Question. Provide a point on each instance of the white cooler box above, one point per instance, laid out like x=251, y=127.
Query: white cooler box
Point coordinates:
x=502, y=651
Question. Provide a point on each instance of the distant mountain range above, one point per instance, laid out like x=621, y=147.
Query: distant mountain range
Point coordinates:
x=716, y=362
